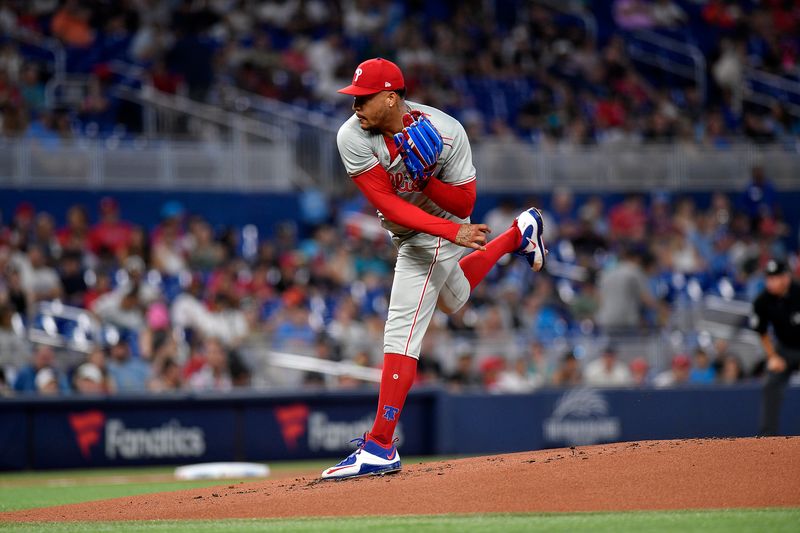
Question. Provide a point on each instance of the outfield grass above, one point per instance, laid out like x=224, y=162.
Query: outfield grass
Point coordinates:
x=772, y=520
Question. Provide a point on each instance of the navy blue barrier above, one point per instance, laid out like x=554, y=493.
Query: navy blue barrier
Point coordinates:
x=265, y=210
x=76, y=432
x=548, y=419
x=79, y=432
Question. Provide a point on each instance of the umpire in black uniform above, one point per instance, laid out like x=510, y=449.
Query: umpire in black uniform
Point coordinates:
x=777, y=306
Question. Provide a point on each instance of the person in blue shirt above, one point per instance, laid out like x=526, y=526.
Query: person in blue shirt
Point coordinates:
x=130, y=374
x=702, y=372
x=43, y=358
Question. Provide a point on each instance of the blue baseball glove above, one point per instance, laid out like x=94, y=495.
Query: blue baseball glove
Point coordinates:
x=420, y=146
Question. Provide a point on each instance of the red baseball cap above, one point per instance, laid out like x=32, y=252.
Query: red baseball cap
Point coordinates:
x=373, y=76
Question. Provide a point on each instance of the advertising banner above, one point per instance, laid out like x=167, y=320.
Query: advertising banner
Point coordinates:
x=110, y=435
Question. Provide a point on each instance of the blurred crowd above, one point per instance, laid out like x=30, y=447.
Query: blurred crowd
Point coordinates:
x=187, y=306
x=510, y=68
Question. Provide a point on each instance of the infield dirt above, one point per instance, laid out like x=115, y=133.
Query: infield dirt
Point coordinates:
x=646, y=475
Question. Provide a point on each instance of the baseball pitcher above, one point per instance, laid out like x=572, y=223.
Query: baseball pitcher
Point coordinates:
x=413, y=163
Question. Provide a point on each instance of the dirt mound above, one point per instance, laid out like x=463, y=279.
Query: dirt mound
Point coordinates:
x=679, y=474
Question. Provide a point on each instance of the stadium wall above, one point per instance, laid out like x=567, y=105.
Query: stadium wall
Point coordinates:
x=127, y=431
x=267, y=210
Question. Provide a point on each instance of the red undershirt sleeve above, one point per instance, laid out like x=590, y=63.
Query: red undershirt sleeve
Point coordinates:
x=374, y=184
x=456, y=199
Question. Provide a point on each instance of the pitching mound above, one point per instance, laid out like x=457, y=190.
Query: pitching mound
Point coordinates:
x=680, y=474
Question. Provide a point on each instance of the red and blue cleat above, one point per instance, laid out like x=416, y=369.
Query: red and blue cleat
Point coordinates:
x=371, y=458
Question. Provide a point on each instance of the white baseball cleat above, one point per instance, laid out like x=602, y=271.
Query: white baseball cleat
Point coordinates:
x=369, y=459
x=531, y=224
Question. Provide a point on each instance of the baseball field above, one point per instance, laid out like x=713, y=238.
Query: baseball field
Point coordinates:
x=678, y=485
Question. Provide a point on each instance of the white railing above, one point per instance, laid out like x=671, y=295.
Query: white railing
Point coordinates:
x=247, y=164
x=322, y=366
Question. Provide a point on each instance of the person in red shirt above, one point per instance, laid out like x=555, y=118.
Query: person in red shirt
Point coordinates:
x=74, y=235
x=111, y=235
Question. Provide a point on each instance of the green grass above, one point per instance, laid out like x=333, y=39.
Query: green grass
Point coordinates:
x=12, y=499
x=27, y=490
x=772, y=520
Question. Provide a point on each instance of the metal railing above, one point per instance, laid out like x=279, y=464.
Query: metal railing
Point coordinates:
x=568, y=8
x=49, y=45
x=659, y=51
x=313, y=133
x=247, y=163
x=765, y=88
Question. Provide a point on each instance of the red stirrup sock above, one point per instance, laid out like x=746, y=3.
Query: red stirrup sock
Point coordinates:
x=399, y=372
x=477, y=264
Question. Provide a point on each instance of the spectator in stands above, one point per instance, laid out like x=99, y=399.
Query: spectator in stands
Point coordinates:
x=130, y=374
x=5, y=389
x=44, y=236
x=122, y=308
x=465, y=375
x=568, y=373
x=668, y=14
x=292, y=330
x=72, y=277
x=71, y=25
x=702, y=372
x=607, y=371
x=214, y=374
x=74, y=235
x=96, y=109
x=516, y=379
x=490, y=369
x=14, y=347
x=205, y=254
x=503, y=214
x=41, y=373
x=346, y=329
x=101, y=286
x=677, y=375
x=628, y=220
x=731, y=371
x=633, y=14
x=624, y=292
x=97, y=358
x=31, y=88
x=21, y=230
x=134, y=273
x=13, y=122
x=168, y=377
x=758, y=199
x=18, y=298
x=47, y=382
x=11, y=61
x=38, y=279
x=111, y=236
x=89, y=380
x=538, y=366
x=169, y=251
x=155, y=339
x=640, y=371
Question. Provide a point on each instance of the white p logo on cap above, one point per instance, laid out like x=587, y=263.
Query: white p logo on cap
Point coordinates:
x=359, y=72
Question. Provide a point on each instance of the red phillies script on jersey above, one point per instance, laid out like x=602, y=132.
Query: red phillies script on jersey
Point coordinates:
x=373, y=76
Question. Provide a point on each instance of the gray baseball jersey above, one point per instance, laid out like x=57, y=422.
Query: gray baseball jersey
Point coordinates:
x=427, y=273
